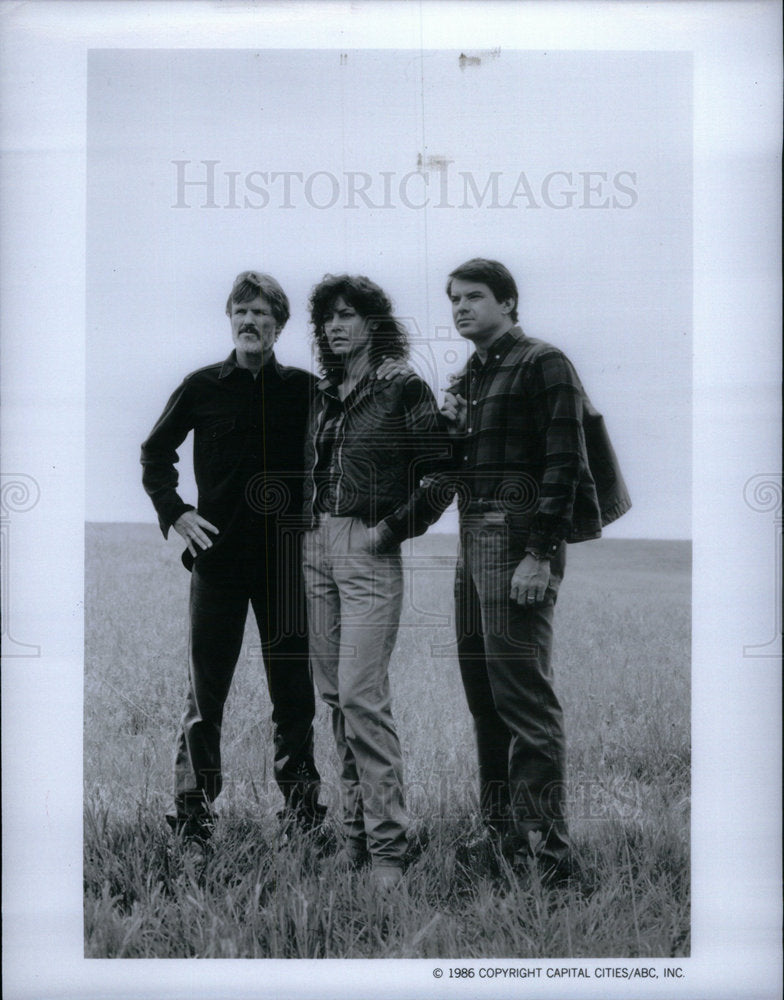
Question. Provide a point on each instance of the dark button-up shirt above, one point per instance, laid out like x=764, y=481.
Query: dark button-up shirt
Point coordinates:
x=535, y=445
x=247, y=456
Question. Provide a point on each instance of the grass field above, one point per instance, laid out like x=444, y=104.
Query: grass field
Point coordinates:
x=622, y=671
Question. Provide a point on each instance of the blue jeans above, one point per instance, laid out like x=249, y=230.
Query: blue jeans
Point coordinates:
x=354, y=604
x=505, y=651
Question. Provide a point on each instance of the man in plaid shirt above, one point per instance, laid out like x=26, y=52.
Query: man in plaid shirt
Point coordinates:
x=537, y=471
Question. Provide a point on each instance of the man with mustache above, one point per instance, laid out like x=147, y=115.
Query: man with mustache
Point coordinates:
x=538, y=471
x=249, y=415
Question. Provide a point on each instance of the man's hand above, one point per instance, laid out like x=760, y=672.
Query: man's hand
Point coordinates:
x=378, y=538
x=390, y=367
x=530, y=581
x=455, y=409
x=193, y=528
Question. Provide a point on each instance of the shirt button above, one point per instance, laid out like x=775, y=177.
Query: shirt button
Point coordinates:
x=470, y=429
x=473, y=403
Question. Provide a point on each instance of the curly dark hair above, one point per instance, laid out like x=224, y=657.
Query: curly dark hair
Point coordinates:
x=389, y=336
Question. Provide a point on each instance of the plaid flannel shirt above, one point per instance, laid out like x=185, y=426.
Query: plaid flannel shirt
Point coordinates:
x=535, y=446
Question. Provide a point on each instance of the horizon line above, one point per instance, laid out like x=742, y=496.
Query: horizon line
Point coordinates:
x=433, y=530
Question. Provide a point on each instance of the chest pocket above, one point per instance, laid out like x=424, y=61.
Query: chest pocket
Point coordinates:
x=220, y=429
x=224, y=445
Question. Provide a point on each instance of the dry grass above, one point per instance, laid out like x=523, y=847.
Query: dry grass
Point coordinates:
x=622, y=668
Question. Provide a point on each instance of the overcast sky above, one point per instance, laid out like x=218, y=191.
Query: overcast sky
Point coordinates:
x=571, y=167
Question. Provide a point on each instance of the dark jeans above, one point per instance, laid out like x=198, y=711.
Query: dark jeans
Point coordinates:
x=217, y=623
x=505, y=662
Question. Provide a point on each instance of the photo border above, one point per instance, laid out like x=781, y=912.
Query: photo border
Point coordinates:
x=736, y=873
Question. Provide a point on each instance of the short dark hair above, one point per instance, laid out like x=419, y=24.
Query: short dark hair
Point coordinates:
x=249, y=284
x=491, y=273
x=389, y=336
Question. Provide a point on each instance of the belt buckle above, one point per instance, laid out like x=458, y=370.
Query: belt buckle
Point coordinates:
x=483, y=507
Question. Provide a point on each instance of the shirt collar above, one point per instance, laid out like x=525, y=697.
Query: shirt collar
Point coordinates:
x=499, y=348
x=329, y=385
x=272, y=366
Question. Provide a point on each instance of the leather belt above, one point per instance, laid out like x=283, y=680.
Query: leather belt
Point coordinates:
x=483, y=506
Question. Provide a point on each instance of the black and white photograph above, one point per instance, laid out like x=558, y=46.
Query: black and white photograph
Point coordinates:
x=391, y=502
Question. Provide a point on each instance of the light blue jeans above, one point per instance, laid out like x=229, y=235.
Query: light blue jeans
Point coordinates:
x=354, y=604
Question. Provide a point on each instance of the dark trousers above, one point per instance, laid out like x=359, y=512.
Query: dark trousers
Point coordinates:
x=505, y=663
x=218, y=610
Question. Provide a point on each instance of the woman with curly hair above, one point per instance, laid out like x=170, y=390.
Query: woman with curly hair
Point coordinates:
x=372, y=442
